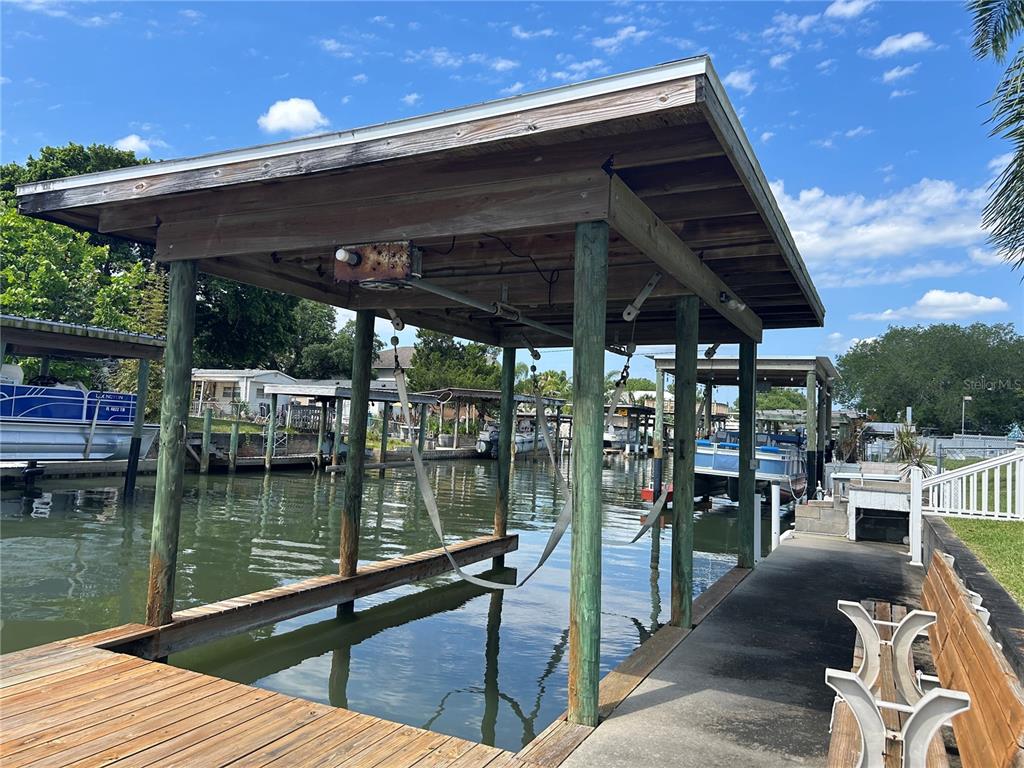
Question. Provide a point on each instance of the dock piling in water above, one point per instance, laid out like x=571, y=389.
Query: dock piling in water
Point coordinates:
x=135, y=447
x=659, y=432
x=233, y=445
x=355, y=459
x=170, y=465
x=505, y=429
x=204, y=457
x=589, y=314
x=687, y=332
x=268, y=452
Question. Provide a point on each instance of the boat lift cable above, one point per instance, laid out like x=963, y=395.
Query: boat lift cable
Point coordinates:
x=430, y=500
x=498, y=309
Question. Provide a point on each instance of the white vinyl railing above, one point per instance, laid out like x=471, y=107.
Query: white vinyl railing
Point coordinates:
x=991, y=489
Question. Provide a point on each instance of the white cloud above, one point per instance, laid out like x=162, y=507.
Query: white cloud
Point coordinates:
x=682, y=43
x=59, y=10
x=941, y=305
x=846, y=228
x=998, y=164
x=741, y=80
x=847, y=9
x=826, y=67
x=530, y=34
x=191, y=15
x=140, y=146
x=837, y=344
x=898, y=73
x=989, y=258
x=360, y=78
x=382, y=20
x=336, y=48
x=787, y=28
x=855, y=133
x=577, y=70
x=767, y=136
x=5, y=80
x=513, y=89
x=502, y=65
x=438, y=56
x=899, y=93
x=292, y=116
x=778, y=61
x=411, y=99
x=615, y=42
x=850, y=276
x=897, y=44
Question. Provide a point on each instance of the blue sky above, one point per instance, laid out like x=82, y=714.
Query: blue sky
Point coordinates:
x=867, y=117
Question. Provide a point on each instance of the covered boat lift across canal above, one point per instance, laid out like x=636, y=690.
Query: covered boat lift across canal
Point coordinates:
x=642, y=185
x=46, y=339
x=817, y=374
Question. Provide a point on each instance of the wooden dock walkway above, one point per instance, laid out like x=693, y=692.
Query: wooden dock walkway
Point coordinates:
x=100, y=699
x=67, y=705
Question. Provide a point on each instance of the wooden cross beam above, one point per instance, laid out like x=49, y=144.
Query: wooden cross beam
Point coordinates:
x=635, y=221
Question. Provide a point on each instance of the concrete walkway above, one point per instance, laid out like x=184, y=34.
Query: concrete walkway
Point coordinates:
x=746, y=687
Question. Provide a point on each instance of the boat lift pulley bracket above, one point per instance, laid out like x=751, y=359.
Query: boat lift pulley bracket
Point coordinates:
x=633, y=309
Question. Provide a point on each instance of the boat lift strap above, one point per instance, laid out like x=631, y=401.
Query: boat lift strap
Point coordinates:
x=430, y=501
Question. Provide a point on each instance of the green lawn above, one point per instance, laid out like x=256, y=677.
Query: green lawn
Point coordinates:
x=1000, y=546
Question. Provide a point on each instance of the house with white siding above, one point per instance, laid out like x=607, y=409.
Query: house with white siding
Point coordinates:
x=220, y=388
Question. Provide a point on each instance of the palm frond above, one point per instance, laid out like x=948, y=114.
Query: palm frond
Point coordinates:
x=996, y=22
x=1004, y=213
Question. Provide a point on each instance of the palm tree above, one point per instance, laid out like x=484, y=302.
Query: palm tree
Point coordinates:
x=996, y=24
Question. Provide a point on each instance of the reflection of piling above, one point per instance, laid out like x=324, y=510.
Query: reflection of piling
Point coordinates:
x=489, y=722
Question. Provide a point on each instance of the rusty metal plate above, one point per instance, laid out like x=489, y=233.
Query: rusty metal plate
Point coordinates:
x=378, y=261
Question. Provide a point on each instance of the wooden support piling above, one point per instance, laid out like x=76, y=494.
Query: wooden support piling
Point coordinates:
x=321, y=434
x=135, y=447
x=233, y=446
x=589, y=315
x=421, y=438
x=822, y=433
x=506, y=417
x=336, y=442
x=204, y=457
x=687, y=319
x=170, y=464
x=747, y=461
x=385, y=409
x=811, y=427
x=659, y=432
x=709, y=409
x=355, y=459
x=268, y=453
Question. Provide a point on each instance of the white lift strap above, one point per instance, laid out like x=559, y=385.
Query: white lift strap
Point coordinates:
x=430, y=501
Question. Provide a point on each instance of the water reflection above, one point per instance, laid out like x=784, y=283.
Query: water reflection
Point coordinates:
x=441, y=654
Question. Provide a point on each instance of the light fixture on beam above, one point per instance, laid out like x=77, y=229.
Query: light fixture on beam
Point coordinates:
x=345, y=256
x=731, y=302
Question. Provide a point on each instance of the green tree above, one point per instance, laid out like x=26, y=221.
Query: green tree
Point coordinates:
x=265, y=333
x=780, y=398
x=997, y=23
x=439, y=361
x=332, y=358
x=314, y=325
x=932, y=368
x=238, y=326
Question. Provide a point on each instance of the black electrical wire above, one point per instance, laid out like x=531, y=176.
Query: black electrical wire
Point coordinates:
x=555, y=274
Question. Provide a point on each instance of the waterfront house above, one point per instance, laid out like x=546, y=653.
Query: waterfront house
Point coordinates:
x=219, y=388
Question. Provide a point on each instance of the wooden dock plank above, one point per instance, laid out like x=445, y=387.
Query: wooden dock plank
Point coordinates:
x=303, y=738
x=202, y=624
x=48, y=728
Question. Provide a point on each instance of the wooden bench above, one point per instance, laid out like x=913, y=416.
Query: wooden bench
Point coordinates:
x=847, y=745
x=991, y=733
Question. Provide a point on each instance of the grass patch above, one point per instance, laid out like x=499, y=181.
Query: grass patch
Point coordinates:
x=999, y=544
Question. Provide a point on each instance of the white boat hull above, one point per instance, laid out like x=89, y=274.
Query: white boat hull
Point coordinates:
x=57, y=440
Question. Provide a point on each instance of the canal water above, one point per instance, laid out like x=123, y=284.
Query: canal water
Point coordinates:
x=441, y=654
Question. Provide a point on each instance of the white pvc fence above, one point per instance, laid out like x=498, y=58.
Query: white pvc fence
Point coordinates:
x=991, y=490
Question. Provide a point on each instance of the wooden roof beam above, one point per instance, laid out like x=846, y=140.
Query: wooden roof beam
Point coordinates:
x=631, y=217
x=558, y=199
